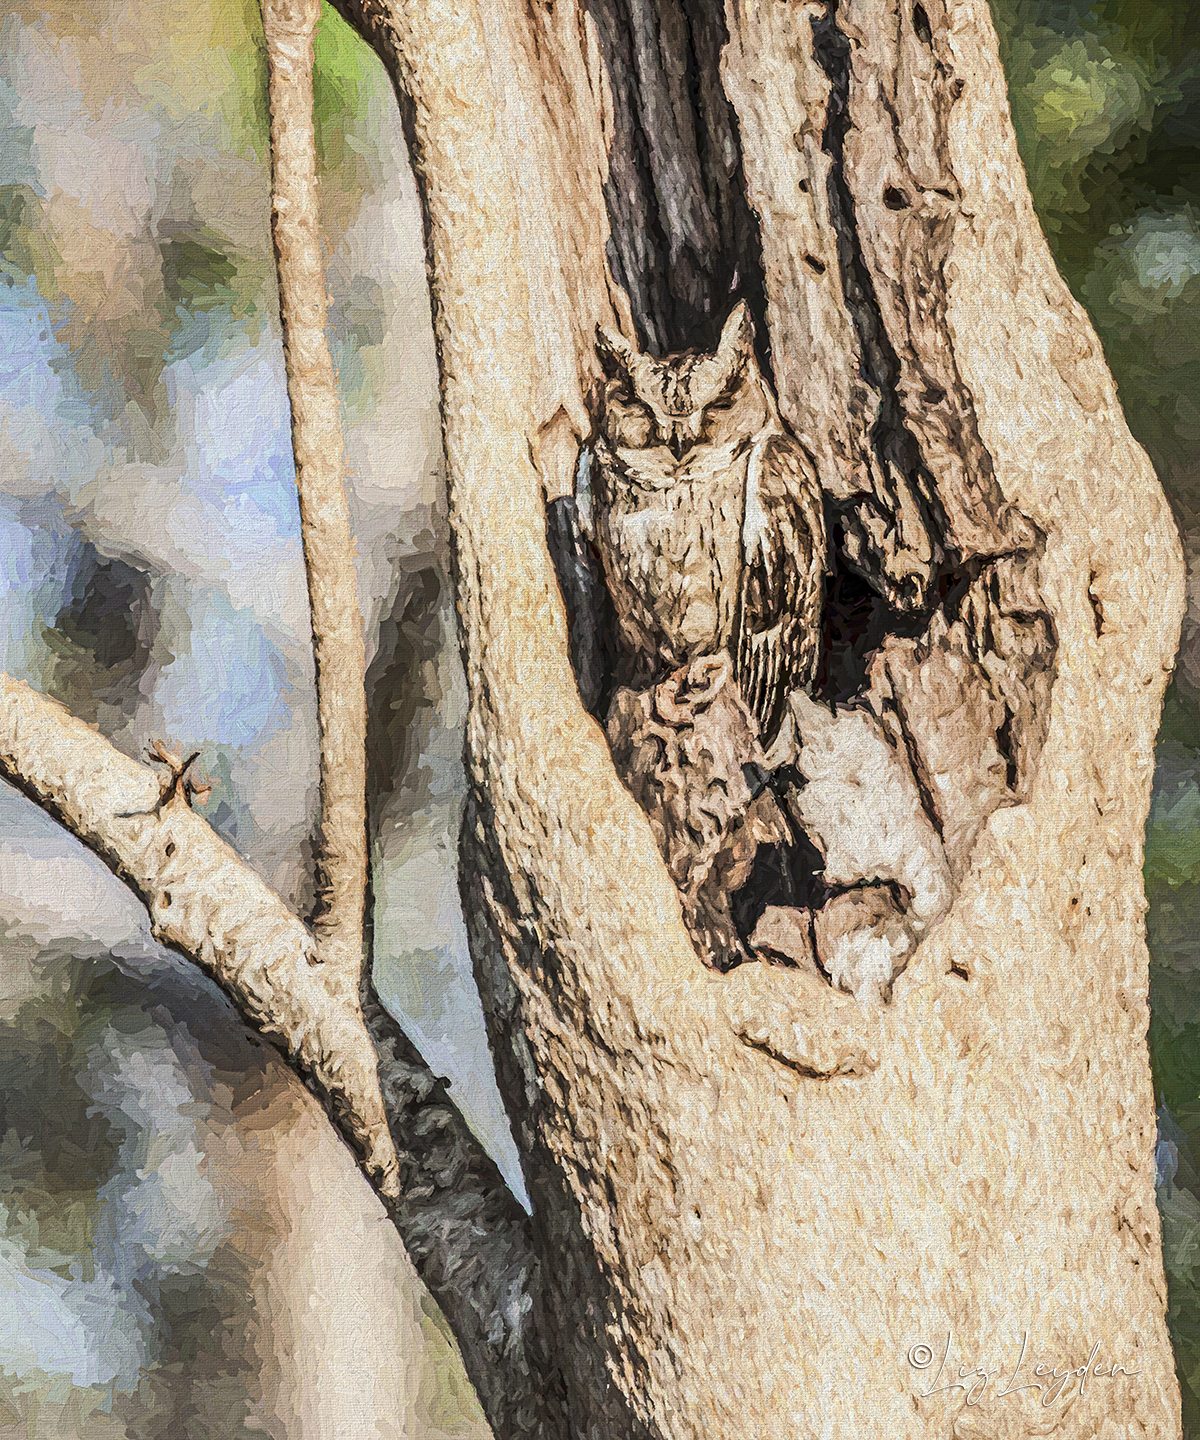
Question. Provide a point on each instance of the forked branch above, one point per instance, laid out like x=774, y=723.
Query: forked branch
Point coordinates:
x=468, y=1237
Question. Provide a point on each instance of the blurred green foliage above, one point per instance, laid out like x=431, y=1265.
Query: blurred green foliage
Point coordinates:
x=349, y=88
x=1106, y=103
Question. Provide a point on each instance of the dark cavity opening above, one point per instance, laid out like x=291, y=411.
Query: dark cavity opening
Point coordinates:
x=685, y=243
x=921, y=25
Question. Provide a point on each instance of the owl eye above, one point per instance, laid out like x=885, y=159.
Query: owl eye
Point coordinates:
x=628, y=425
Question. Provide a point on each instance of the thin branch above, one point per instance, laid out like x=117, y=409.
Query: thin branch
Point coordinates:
x=338, y=645
x=469, y=1239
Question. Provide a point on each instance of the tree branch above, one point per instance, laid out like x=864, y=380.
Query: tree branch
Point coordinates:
x=205, y=901
x=338, y=645
x=471, y=1242
x=468, y=1237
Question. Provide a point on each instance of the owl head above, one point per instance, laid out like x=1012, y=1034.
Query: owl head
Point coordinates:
x=673, y=402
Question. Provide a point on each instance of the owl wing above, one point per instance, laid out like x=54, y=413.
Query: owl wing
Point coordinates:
x=778, y=627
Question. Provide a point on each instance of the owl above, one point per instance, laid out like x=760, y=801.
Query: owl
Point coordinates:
x=708, y=518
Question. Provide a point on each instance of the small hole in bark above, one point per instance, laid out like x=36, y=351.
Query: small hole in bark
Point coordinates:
x=1097, y=608
x=815, y=265
x=959, y=970
x=956, y=89
x=170, y=848
x=164, y=899
x=786, y=875
x=895, y=199
x=921, y=25
x=802, y=186
x=1074, y=900
x=934, y=395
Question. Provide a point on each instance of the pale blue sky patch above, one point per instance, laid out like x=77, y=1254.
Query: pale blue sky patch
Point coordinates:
x=228, y=684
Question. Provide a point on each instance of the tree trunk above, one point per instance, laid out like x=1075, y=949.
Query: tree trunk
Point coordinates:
x=746, y=1238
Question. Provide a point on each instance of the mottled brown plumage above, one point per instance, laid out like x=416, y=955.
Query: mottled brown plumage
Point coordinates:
x=709, y=518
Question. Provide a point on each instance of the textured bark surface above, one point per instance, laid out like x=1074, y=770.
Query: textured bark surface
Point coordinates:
x=338, y=643
x=204, y=900
x=470, y=1241
x=685, y=749
x=784, y=71
x=738, y=1246
x=683, y=241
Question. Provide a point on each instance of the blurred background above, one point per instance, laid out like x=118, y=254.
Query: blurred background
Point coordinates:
x=185, y=1249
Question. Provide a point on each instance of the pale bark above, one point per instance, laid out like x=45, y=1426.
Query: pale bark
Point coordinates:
x=204, y=900
x=462, y=1227
x=739, y=1249
x=317, y=444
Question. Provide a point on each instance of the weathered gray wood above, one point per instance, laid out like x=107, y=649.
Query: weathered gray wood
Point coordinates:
x=682, y=241
x=784, y=70
x=471, y=1242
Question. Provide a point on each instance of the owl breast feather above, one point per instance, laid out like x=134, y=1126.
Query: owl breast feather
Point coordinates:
x=671, y=546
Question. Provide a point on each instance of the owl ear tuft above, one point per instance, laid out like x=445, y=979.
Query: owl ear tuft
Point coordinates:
x=615, y=346
x=737, y=338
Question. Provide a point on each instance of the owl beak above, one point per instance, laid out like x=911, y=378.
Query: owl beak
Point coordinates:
x=684, y=434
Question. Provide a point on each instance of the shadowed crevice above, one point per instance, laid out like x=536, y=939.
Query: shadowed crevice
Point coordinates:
x=684, y=241
x=895, y=447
